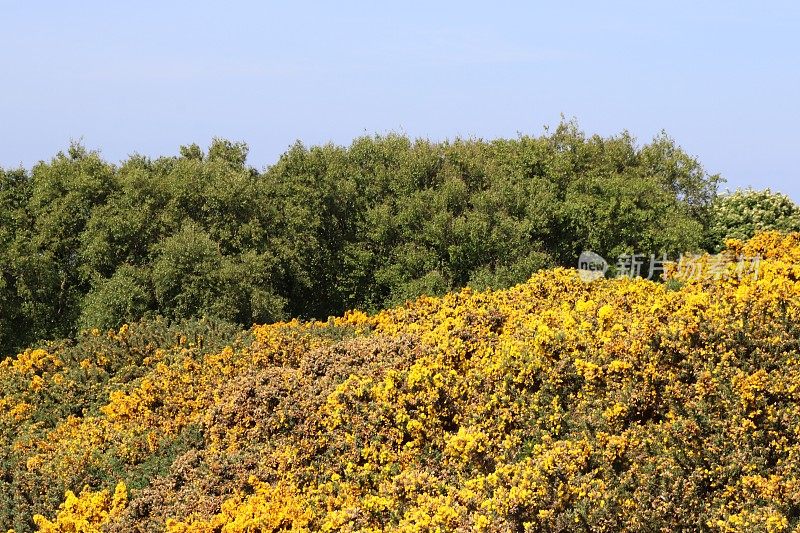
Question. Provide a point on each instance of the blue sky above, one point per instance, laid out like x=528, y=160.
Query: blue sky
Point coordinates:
x=722, y=78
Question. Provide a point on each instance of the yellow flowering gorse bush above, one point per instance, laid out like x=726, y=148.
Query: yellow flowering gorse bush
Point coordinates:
x=556, y=405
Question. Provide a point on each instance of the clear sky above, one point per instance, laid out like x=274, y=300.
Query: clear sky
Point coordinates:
x=722, y=78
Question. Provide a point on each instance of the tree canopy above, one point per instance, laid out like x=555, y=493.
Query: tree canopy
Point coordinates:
x=88, y=244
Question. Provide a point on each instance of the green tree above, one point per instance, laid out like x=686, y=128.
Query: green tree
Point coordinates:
x=44, y=260
x=14, y=196
x=87, y=244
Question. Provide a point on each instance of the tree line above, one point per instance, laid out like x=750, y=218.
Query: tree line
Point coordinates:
x=89, y=244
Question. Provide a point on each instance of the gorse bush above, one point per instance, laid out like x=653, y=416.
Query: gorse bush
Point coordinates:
x=85, y=244
x=68, y=381
x=553, y=405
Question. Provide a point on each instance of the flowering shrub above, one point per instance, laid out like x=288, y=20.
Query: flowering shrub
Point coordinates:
x=555, y=405
x=744, y=212
x=86, y=513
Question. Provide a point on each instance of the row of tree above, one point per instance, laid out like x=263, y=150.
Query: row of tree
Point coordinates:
x=88, y=244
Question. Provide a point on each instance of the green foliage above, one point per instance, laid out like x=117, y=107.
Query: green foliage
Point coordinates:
x=49, y=211
x=86, y=244
x=743, y=213
x=14, y=194
x=116, y=300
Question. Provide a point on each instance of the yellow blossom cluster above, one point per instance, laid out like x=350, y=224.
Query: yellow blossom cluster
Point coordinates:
x=556, y=405
x=86, y=513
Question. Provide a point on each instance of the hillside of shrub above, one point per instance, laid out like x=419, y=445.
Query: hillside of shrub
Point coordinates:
x=85, y=243
x=553, y=405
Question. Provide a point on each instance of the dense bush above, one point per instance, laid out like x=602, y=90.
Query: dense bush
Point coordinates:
x=85, y=244
x=743, y=213
x=46, y=390
x=555, y=405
